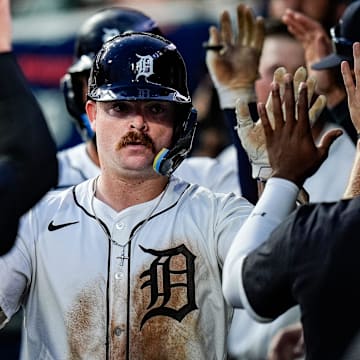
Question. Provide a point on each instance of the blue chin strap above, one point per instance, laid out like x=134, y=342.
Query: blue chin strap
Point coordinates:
x=167, y=160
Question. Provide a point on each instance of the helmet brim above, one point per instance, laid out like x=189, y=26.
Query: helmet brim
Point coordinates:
x=331, y=61
x=138, y=92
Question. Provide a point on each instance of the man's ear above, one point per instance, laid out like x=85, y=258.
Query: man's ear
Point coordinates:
x=90, y=107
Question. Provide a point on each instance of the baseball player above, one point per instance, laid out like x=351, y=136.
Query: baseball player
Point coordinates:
x=24, y=163
x=81, y=161
x=127, y=264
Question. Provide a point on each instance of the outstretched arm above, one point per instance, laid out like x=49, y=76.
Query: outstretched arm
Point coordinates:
x=233, y=63
x=28, y=165
x=293, y=157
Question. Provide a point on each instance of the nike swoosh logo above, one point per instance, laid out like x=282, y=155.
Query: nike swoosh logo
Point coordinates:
x=53, y=227
x=258, y=214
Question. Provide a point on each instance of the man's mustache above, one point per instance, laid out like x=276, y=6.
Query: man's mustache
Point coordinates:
x=136, y=138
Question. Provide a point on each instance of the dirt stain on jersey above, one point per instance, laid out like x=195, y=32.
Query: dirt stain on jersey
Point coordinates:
x=118, y=327
x=162, y=336
x=86, y=323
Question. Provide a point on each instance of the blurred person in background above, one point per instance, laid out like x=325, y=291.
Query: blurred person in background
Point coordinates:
x=324, y=54
x=326, y=12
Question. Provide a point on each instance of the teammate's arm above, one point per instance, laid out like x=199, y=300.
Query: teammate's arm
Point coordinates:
x=293, y=157
x=28, y=164
x=233, y=63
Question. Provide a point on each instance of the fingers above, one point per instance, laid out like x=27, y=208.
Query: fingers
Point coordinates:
x=213, y=42
x=328, y=138
x=299, y=24
x=302, y=111
x=299, y=77
x=214, y=36
x=356, y=54
x=352, y=86
x=251, y=30
x=259, y=34
x=276, y=103
x=268, y=130
x=243, y=114
x=278, y=78
x=226, y=29
x=348, y=80
x=289, y=101
x=241, y=23
x=249, y=27
x=311, y=84
x=316, y=109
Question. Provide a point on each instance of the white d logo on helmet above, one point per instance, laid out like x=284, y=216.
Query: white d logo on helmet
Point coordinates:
x=143, y=67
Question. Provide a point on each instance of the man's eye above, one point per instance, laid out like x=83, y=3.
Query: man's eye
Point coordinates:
x=157, y=109
x=121, y=108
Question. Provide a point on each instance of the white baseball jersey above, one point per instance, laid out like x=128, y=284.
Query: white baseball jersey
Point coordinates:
x=76, y=166
x=84, y=298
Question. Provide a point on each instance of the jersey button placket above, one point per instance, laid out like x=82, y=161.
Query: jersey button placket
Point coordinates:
x=120, y=237
x=120, y=226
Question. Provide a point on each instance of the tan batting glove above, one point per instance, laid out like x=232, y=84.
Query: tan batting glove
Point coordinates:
x=233, y=59
x=252, y=135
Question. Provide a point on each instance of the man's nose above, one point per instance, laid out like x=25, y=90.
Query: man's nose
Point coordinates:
x=139, y=122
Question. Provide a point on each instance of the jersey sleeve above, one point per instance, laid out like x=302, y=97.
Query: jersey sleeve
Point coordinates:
x=265, y=279
x=300, y=261
x=266, y=215
x=16, y=267
x=28, y=164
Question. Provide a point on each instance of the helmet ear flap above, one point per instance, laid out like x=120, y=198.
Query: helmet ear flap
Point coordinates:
x=73, y=92
x=167, y=160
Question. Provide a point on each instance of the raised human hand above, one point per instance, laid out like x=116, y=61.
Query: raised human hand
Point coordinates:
x=353, y=96
x=292, y=152
x=252, y=135
x=352, y=86
x=317, y=45
x=308, y=31
x=233, y=59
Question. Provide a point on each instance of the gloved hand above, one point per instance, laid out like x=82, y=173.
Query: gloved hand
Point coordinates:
x=233, y=60
x=252, y=135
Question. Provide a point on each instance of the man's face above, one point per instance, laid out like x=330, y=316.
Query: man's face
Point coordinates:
x=279, y=50
x=130, y=133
